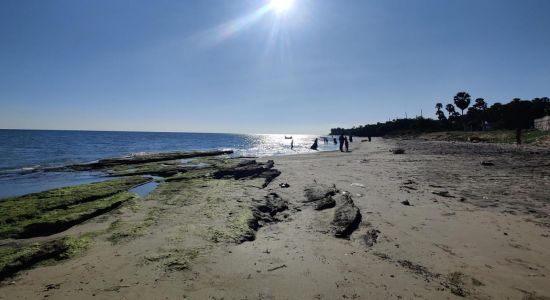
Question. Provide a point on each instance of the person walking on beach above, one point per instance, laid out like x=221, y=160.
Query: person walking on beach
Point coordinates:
x=314, y=146
x=341, y=143
x=291, y=144
x=346, y=144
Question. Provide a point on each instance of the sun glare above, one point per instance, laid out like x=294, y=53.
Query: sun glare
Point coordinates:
x=280, y=6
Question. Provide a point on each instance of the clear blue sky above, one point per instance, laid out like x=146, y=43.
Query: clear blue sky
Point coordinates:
x=224, y=66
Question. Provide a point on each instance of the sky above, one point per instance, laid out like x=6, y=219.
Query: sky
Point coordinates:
x=241, y=66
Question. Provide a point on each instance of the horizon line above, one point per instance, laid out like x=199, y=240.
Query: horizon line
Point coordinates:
x=146, y=131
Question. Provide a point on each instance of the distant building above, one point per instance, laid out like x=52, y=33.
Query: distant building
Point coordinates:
x=543, y=123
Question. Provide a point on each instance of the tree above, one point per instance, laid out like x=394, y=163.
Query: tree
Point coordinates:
x=478, y=113
x=439, y=113
x=450, y=110
x=480, y=104
x=462, y=101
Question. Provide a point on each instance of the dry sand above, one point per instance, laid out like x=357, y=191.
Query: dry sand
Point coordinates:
x=471, y=230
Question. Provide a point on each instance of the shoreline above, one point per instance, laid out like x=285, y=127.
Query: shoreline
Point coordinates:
x=466, y=231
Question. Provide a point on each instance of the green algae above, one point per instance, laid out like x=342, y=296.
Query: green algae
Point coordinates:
x=156, y=169
x=16, y=209
x=57, y=220
x=123, y=233
x=15, y=257
x=240, y=227
x=53, y=211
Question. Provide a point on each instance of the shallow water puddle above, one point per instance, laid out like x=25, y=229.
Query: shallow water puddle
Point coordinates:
x=145, y=189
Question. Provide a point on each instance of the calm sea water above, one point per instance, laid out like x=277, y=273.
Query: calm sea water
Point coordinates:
x=23, y=153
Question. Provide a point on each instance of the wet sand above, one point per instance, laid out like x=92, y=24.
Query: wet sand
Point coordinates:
x=471, y=230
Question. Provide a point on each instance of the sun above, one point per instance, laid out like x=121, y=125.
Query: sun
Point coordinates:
x=281, y=6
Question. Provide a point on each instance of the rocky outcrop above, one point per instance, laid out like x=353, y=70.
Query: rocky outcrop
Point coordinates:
x=265, y=211
x=145, y=158
x=19, y=258
x=315, y=192
x=346, y=216
x=249, y=169
x=272, y=205
x=325, y=203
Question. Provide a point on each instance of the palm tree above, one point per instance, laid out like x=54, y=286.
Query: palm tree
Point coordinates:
x=439, y=113
x=479, y=112
x=480, y=104
x=462, y=101
x=450, y=109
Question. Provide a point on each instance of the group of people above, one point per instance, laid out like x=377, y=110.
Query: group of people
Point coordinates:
x=344, y=143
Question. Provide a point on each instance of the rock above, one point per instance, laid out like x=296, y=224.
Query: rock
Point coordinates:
x=272, y=205
x=31, y=255
x=445, y=194
x=406, y=202
x=398, y=151
x=145, y=158
x=371, y=237
x=487, y=163
x=346, y=216
x=250, y=169
x=284, y=185
x=327, y=202
x=315, y=192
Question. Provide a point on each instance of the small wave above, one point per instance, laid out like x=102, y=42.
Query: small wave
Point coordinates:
x=142, y=153
x=28, y=169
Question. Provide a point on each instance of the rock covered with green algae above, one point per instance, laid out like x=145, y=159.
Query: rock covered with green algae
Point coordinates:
x=249, y=169
x=16, y=257
x=56, y=210
x=146, y=158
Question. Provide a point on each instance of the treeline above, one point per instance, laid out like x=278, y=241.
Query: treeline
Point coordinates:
x=462, y=114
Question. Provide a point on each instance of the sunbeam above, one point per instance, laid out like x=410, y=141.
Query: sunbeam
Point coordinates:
x=229, y=29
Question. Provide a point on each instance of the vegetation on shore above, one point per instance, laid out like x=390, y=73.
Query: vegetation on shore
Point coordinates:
x=495, y=136
x=462, y=116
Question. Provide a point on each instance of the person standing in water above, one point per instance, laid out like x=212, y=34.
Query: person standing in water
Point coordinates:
x=291, y=144
x=314, y=146
x=341, y=143
x=350, y=138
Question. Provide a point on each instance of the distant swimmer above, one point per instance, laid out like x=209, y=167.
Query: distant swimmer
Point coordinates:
x=314, y=146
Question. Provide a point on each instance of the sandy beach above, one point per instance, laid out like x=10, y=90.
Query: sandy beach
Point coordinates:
x=444, y=220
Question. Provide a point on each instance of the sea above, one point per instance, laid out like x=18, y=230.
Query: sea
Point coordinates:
x=25, y=155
